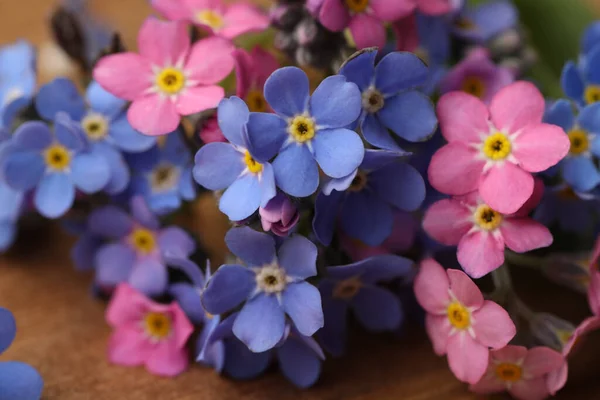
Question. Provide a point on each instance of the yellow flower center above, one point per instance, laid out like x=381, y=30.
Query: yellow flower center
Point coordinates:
x=210, y=18
x=579, y=141
x=508, y=372
x=359, y=182
x=357, y=5
x=95, y=126
x=143, y=240
x=253, y=166
x=487, y=218
x=458, y=315
x=164, y=177
x=170, y=80
x=302, y=128
x=372, y=100
x=592, y=94
x=256, y=101
x=347, y=288
x=57, y=157
x=497, y=146
x=157, y=325
x=564, y=336
x=473, y=85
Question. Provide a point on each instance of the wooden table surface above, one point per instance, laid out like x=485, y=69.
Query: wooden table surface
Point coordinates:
x=61, y=328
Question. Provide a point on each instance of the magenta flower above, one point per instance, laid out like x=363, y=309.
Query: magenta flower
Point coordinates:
x=495, y=150
x=210, y=132
x=459, y=322
x=168, y=78
x=477, y=75
x=228, y=21
x=594, y=291
x=279, y=216
x=436, y=7
x=519, y=371
x=482, y=233
x=365, y=18
x=251, y=72
x=147, y=333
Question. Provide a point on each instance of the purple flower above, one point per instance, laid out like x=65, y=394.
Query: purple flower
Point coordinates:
x=572, y=211
x=486, y=21
x=138, y=247
x=279, y=216
x=271, y=286
x=355, y=286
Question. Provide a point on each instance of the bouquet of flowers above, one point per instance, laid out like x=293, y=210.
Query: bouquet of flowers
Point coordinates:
x=381, y=161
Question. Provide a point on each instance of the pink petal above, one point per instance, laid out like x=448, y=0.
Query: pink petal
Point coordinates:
x=182, y=326
x=524, y=234
x=171, y=9
x=167, y=359
x=541, y=360
x=455, y=170
x=447, y=221
x=468, y=359
x=407, y=36
x=588, y=325
x=464, y=289
x=153, y=115
x=334, y=15
x=595, y=255
x=517, y=106
x=509, y=354
x=493, y=326
x=594, y=292
x=391, y=11
x=164, y=43
x=462, y=117
x=488, y=384
x=438, y=329
x=480, y=253
x=200, y=98
x=210, y=60
x=534, y=389
x=431, y=287
x=242, y=18
x=125, y=75
x=506, y=187
x=264, y=65
x=557, y=379
x=367, y=31
x=199, y=5
x=540, y=147
x=435, y=7
x=244, y=71
x=126, y=305
x=129, y=346
x=534, y=200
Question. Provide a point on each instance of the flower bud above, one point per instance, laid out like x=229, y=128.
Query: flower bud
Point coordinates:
x=279, y=216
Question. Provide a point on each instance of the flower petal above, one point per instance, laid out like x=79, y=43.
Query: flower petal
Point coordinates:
x=265, y=335
x=242, y=18
x=232, y=115
x=227, y=288
x=113, y=264
x=126, y=75
x=102, y=101
x=431, y=287
x=153, y=115
x=506, y=188
x=517, y=106
x=360, y=68
x=562, y=114
x=541, y=146
x=163, y=42
x=438, y=330
x=333, y=15
x=287, y=91
x=333, y=335
x=176, y=241
x=210, y=60
x=54, y=195
x=480, y=253
x=167, y=360
x=493, y=326
x=23, y=170
x=142, y=213
x=464, y=289
x=462, y=117
x=20, y=381
x=217, y=165
x=302, y=302
x=8, y=329
x=335, y=103
x=572, y=81
x=298, y=364
x=541, y=360
x=523, y=234
x=413, y=72
x=377, y=309
x=468, y=359
x=200, y=98
x=149, y=277
x=250, y=246
x=188, y=298
x=326, y=211
x=530, y=389
x=242, y=198
x=338, y=151
x=447, y=221
x=90, y=172
x=366, y=217
x=109, y=222
x=454, y=169
x=410, y=115
x=376, y=134
x=400, y=184
x=128, y=139
x=298, y=256
x=296, y=171
x=266, y=135
x=367, y=31
x=61, y=94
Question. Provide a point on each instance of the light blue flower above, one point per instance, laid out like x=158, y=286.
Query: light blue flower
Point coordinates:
x=17, y=79
x=484, y=22
x=590, y=38
x=582, y=82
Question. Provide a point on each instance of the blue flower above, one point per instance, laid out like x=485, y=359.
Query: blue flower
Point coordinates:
x=365, y=200
x=434, y=48
x=484, y=22
x=590, y=38
x=307, y=130
x=389, y=98
x=17, y=380
x=355, y=286
x=187, y=294
x=574, y=212
x=17, y=79
x=246, y=174
x=54, y=163
x=270, y=287
x=11, y=201
x=299, y=356
x=578, y=168
x=163, y=174
x=582, y=82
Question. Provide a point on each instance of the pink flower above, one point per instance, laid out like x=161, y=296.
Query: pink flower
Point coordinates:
x=147, y=333
x=495, y=150
x=459, y=322
x=365, y=18
x=251, y=71
x=594, y=291
x=168, y=78
x=482, y=233
x=519, y=371
x=210, y=132
x=436, y=7
x=228, y=21
x=279, y=216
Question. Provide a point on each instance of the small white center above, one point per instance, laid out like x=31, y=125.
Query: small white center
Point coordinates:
x=271, y=278
x=164, y=177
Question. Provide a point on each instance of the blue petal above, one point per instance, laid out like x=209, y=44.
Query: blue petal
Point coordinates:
x=296, y=171
x=252, y=247
x=11, y=201
x=211, y=350
x=189, y=268
x=109, y=222
x=241, y=363
x=589, y=118
x=33, y=135
x=381, y=268
x=9, y=111
x=326, y=212
x=128, y=139
x=119, y=170
x=229, y=287
x=267, y=185
x=298, y=256
x=580, y=173
x=175, y=241
x=333, y=334
x=102, y=101
x=20, y=381
x=90, y=172
x=572, y=82
x=591, y=37
x=360, y=68
x=592, y=66
x=494, y=18
x=232, y=115
x=187, y=187
x=54, y=195
x=338, y=184
x=338, y=151
x=595, y=145
x=142, y=213
x=8, y=232
x=260, y=324
x=266, y=135
x=561, y=113
x=400, y=185
x=242, y=198
x=174, y=149
x=399, y=71
x=287, y=91
x=8, y=329
x=218, y=165
x=302, y=302
x=434, y=37
x=377, y=309
x=23, y=170
x=366, y=217
x=298, y=363
x=376, y=159
x=114, y=263
x=84, y=252
x=149, y=277
x=68, y=132
x=60, y=95
x=409, y=115
x=376, y=134
x=335, y=103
